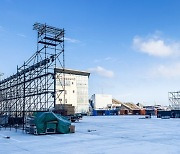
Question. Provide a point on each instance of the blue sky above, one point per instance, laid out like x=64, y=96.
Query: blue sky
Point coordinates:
x=131, y=47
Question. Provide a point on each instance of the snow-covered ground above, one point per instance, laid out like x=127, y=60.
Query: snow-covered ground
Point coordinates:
x=99, y=135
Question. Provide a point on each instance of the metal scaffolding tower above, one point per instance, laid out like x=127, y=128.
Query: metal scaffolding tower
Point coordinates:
x=33, y=87
x=174, y=98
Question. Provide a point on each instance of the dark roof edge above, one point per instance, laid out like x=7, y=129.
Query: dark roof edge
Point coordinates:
x=69, y=71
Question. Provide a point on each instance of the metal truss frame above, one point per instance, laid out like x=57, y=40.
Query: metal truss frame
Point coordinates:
x=33, y=87
x=174, y=98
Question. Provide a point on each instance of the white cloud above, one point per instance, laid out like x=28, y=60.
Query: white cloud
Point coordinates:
x=21, y=35
x=154, y=45
x=170, y=71
x=102, y=72
x=71, y=40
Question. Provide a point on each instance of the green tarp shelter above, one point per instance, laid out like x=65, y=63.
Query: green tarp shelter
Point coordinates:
x=45, y=119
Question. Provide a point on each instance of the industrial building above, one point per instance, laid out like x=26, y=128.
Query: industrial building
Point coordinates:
x=173, y=111
x=101, y=101
x=106, y=105
x=128, y=108
x=76, y=89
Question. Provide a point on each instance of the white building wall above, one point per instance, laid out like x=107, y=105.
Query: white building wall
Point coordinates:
x=101, y=101
x=82, y=93
x=76, y=93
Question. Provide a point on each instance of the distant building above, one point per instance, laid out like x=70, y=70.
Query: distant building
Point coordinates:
x=101, y=101
x=128, y=108
x=76, y=89
x=140, y=105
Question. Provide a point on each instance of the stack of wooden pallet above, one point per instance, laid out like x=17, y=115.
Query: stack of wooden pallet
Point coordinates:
x=65, y=109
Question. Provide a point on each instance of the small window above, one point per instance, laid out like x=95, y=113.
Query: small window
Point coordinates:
x=73, y=91
x=60, y=100
x=72, y=82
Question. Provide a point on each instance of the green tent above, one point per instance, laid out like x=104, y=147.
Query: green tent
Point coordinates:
x=45, y=120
